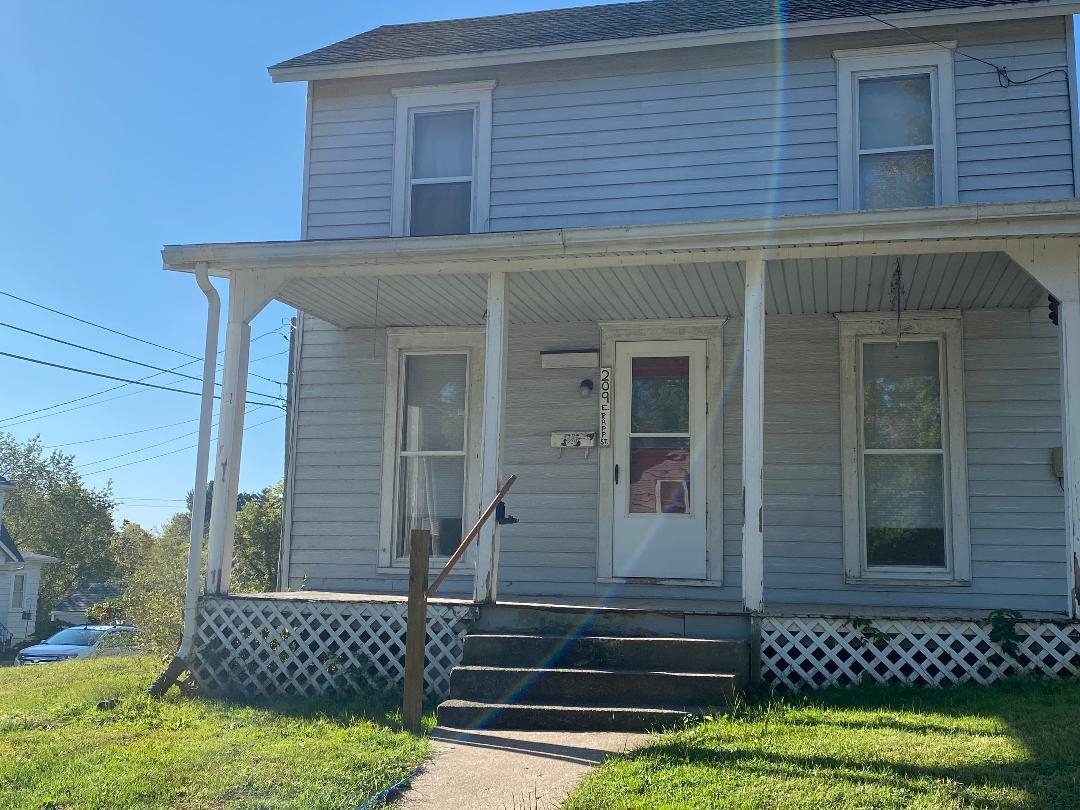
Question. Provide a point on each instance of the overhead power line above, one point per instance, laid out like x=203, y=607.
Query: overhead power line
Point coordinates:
x=173, y=452
x=9, y=420
x=100, y=326
x=248, y=412
x=158, y=369
x=126, y=380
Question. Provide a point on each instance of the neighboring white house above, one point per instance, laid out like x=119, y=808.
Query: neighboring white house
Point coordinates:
x=20, y=577
x=751, y=297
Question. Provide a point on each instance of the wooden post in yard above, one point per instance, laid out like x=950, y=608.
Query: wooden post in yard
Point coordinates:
x=412, y=705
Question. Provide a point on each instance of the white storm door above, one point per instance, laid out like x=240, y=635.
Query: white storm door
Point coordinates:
x=659, y=515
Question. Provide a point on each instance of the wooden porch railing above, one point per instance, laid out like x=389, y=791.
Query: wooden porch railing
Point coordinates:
x=419, y=593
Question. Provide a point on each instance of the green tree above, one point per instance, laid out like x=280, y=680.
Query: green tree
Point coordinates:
x=52, y=511
x=154, y=597
x=131, y=545
x=258, y=541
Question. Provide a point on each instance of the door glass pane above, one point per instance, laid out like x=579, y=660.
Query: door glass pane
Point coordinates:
x=660, y=398
x=901, y=396
x=443, y=144
x=895, y=111
x=659, y=475
x=896, y=180
x=441, y=209
x=431, y=495
x=433, y=415
x=905, y=510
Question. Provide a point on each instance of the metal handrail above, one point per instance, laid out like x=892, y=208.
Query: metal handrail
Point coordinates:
x=6, y=637
x=473, y=532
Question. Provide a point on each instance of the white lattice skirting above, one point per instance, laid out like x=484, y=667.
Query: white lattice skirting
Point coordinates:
x=251, y=646
x=811, y=652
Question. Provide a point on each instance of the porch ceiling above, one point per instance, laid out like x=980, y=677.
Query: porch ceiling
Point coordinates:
x=983, y=280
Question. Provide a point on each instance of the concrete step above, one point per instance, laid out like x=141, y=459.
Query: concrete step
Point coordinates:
x=470, y=714
x=556, y=620
x=607, y=652
x=592, y=687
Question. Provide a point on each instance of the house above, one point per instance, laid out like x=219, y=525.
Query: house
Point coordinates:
x=774, y=312
x=20, y=577
x=72, y=609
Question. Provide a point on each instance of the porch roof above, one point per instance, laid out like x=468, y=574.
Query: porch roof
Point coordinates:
x=952, y=257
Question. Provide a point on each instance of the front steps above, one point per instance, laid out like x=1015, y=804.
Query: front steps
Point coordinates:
x=535, y=678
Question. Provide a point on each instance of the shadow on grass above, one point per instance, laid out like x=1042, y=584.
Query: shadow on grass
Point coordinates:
x=1042, y=717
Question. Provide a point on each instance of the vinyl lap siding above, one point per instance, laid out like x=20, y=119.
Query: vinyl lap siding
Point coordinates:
x=1016, y=506
x=712, y=143
x=1013, y=143
x=350, y=163
x=714, y=140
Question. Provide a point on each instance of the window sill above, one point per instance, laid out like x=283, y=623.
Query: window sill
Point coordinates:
x=460, y=570
x=907, y=582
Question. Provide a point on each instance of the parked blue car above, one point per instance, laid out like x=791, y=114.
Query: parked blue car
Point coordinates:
x=83, y=641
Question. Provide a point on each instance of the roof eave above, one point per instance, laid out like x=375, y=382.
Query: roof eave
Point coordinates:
x=545, y=53
x=998, y=221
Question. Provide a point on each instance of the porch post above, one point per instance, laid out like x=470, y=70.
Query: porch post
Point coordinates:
x=1069, y=321
x=248, y=294
x=487, y=545
x=753, y=431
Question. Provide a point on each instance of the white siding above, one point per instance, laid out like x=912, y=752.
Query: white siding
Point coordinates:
x=693, y=135
x=1016, y=505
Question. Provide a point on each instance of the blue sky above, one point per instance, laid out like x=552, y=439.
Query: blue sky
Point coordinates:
x=129, y=125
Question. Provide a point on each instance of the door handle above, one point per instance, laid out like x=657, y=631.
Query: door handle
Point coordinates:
x=616, y=475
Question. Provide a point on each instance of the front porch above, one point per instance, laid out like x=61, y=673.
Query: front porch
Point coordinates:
x=775, y=555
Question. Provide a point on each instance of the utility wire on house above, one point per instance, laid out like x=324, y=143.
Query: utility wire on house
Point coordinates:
x=125, y=379
x=1003, y=77
x=179, y=450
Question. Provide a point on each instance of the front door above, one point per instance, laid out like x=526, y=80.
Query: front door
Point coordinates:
x=659, y=476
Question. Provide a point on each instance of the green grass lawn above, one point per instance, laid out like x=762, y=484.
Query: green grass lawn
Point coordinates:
x=1012, y=746
x=58, y=751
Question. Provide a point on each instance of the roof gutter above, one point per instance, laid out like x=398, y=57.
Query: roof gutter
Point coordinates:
x=758, y=33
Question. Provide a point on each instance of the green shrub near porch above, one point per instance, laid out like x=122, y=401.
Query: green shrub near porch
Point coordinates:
x=1013, y=746
x=58, y=749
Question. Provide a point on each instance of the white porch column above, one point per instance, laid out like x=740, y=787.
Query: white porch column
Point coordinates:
x=248, y=294
x=753, y=432
x=487, y=544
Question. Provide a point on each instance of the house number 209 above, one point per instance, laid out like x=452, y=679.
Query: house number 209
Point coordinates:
x=605, y=407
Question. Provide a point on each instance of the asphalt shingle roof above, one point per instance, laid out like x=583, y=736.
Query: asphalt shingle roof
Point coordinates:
x=87, y=595
x=598, y=23
x=9, y=544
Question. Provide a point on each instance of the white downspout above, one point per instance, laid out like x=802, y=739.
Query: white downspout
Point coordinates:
x=198, y=498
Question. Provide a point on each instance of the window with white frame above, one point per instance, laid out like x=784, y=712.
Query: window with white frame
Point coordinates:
x=905, y=472
x=432, y=416
x=18, y=591
x=442, y=160
x=897, y=127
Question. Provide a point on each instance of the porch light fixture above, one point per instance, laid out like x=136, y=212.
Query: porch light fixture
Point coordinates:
x=585, y=389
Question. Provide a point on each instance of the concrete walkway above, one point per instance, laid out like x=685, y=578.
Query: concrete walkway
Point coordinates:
x=511, y=770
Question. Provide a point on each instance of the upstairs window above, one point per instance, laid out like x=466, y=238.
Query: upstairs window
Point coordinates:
x=442, y=160
x=18, y=592
x=897, y=126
